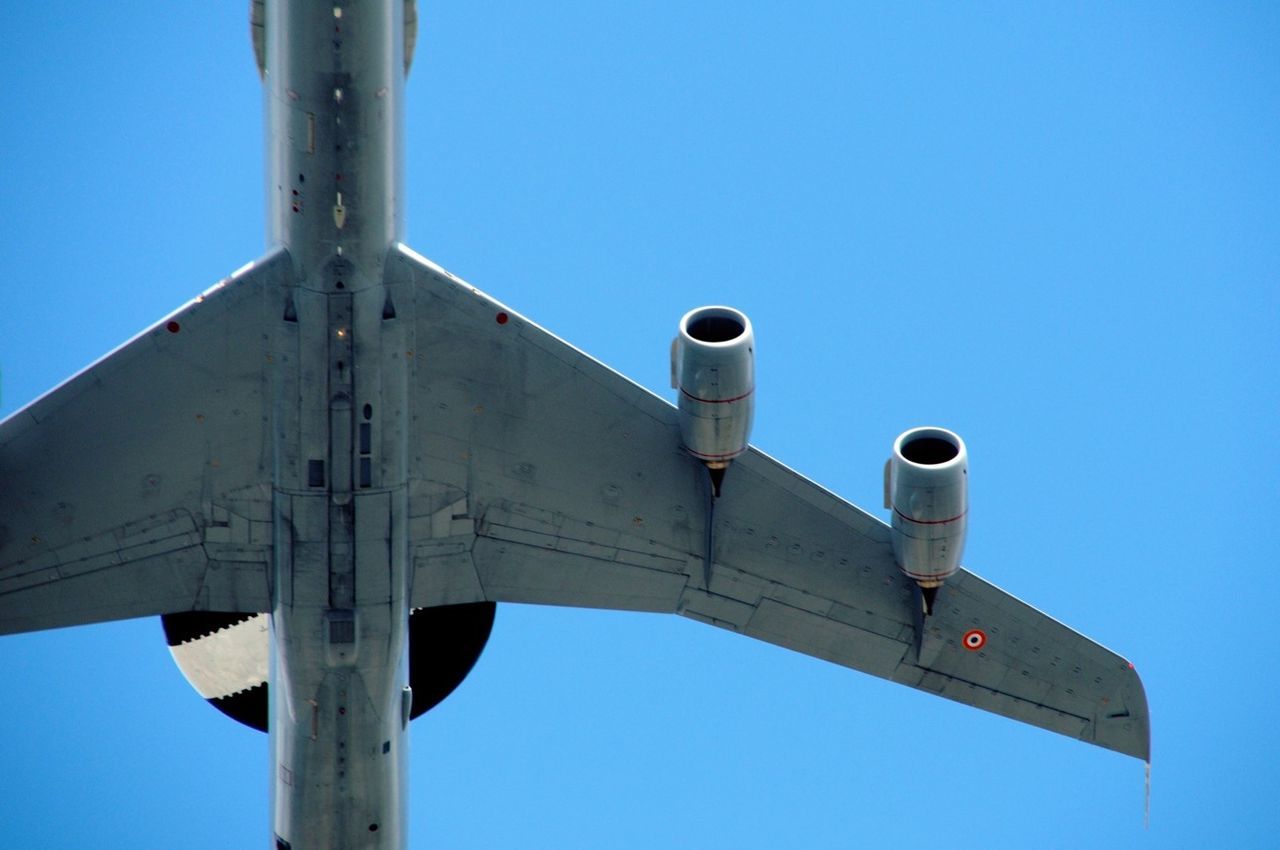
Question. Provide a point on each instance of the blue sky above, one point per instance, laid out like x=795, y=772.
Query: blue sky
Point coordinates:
x=1056, y=231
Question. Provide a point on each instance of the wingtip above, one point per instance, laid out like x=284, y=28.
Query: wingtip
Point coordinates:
x=1135, y=691
x=1127, y=727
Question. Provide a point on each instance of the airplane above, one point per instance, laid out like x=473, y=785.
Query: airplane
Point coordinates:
x=373, y=437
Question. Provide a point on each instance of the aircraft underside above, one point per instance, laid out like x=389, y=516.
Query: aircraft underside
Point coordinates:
x=359, y=455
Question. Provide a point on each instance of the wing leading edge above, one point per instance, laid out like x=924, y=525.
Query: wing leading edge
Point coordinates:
x=539, y=475
x=142, y=485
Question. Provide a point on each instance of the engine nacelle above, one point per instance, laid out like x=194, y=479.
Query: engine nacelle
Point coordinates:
x=926, y=487
x=712, y=365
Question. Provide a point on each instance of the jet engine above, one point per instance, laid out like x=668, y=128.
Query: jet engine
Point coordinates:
x=926, y=487
x=712, y=365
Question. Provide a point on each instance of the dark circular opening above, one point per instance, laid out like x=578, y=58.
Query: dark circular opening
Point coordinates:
x=715, y=329
x=368, y=411
x=373, y=827
x=929, y=451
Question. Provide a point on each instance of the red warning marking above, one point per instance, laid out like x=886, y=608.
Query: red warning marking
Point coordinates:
x=173, y=327
x=930, y=521
x=975, y=639
x=501, y=318
x=688, y=394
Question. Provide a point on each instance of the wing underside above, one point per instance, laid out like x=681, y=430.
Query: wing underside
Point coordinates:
x=142, y=484
x=537, y=475
x=542, y=476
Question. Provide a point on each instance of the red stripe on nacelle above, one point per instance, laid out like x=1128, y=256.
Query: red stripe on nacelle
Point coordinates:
x=928, y=521
x=688, y=394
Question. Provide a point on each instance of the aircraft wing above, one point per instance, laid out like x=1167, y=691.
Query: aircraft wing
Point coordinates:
x=142, y=485
x=539, y=475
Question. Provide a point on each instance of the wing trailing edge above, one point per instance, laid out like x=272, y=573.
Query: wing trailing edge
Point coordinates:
x=142, y=485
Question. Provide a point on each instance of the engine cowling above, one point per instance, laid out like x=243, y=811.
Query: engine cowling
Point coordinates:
x=712, y=366
x=926, y=487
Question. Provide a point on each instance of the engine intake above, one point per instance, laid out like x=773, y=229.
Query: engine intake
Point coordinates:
x=926, y=487
x=712, y=365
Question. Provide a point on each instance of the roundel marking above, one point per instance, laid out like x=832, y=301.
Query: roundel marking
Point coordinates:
x=975, y=639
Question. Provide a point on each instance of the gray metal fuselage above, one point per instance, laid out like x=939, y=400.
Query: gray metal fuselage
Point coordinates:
x=334, y=82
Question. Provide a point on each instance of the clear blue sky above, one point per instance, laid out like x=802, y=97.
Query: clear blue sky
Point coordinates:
x=1056, y=231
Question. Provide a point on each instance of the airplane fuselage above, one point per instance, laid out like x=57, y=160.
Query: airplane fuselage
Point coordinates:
x=334, y=82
